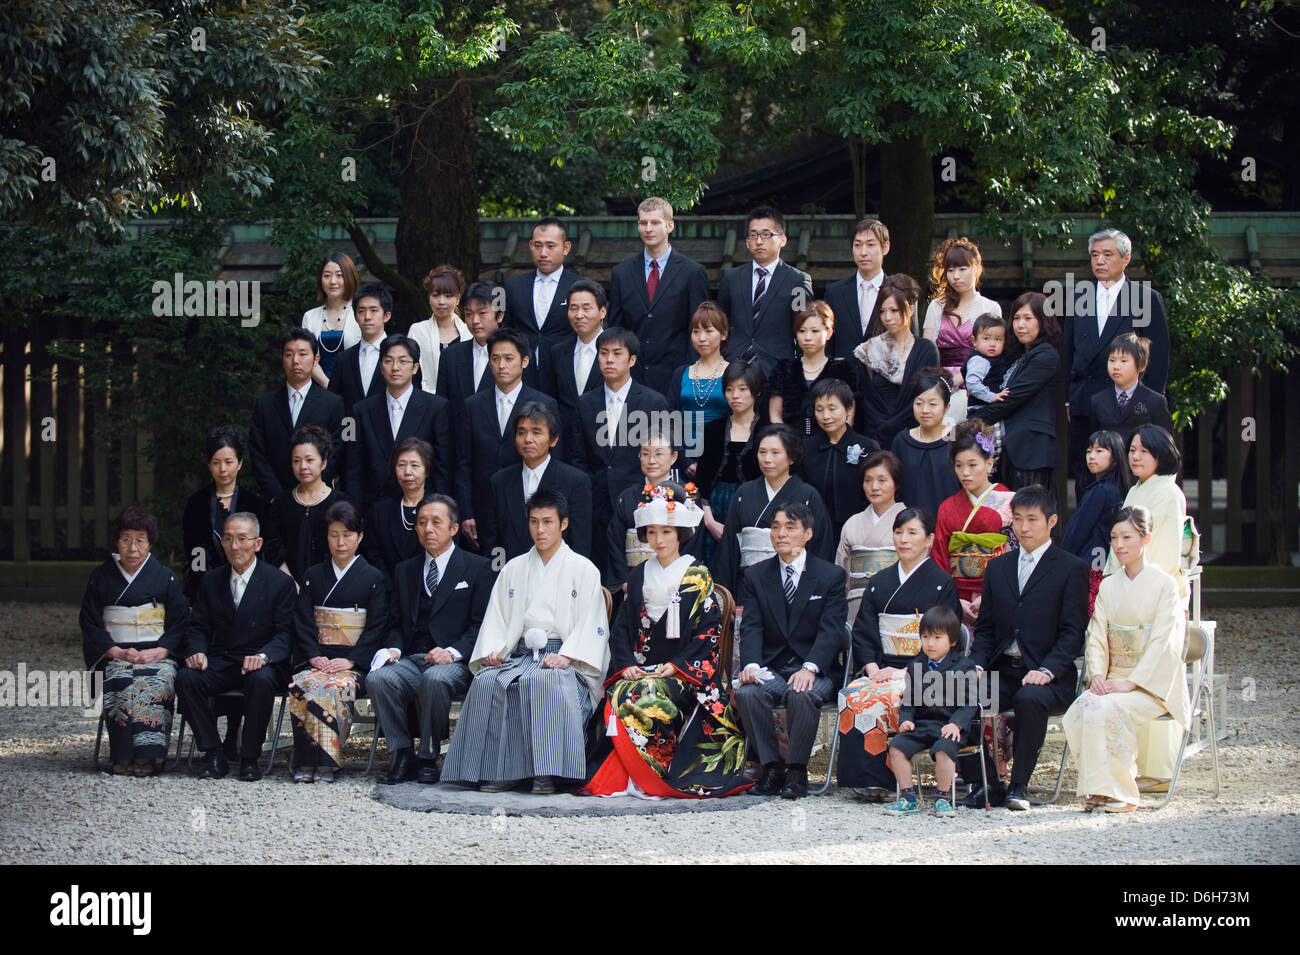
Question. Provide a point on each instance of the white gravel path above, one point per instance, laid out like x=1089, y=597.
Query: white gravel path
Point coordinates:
x=54, y=809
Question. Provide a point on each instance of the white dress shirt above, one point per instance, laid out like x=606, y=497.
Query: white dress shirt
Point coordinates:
x=368, y=361
x=397, y=408
x=505, y=404
x=1106, y=298
x=532, y=477
x=480, y=363
x=584, y=356
x=239, y=582
x=297, y=398
x=544, y=289
x=616, y=403
x=799, y=563
x=868, y=289
x=385, y=655
x=1025, y=565
x=753, y=276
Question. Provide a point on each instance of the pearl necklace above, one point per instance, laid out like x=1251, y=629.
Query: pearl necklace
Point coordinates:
x=401, y=510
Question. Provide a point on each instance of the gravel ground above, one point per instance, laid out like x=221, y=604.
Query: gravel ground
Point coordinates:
x=55, y=809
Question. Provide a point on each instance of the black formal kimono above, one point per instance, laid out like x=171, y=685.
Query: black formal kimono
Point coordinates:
x=297, y=535
x=885, y=409
x=662, y=325
x=483, y=449
x=546, y=334
x=369, y=472
x=273, y=428
x=1144, y=406
x=505, y=523
x=928, y=475
x=869, y=709
x=751, y=508
x=390, y=535
x=621, y=523
x=202, y=524
x=833, y=470
x=770, y=330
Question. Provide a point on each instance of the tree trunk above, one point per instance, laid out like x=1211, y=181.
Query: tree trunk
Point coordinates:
x=907, y=207
x=438, y=183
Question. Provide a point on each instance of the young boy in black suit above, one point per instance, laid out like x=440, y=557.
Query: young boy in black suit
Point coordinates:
x=936, y=713
x=1130, y=404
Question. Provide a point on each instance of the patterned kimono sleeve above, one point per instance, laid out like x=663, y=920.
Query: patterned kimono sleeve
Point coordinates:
x=697, y=662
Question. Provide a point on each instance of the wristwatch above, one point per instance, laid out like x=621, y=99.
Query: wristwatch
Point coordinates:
x=265, y=658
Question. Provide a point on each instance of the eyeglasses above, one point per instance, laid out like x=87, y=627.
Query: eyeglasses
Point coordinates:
x=129, y=543
x=767, y=235
x=242, y=541
x=396, y=362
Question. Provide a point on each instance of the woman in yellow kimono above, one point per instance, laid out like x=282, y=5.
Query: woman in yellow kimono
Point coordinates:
x=1134, y=657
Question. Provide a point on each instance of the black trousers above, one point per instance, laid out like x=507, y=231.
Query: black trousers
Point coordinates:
x=1033, y=705
x=196, y=690
x=755, y=702
x=1016, y=478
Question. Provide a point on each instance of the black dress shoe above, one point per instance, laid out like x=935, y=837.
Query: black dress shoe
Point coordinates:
x=1017, y=798
x=997, y=795
x=214, y=765
x=403, y=769
x=796, y=782
x=771, y=782
x=249, y=771
x=429, y=772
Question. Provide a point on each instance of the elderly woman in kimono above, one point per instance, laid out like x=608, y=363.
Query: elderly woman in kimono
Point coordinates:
x=669, y=729
x=132, y=619
x=1134, y=655
x=538, y=665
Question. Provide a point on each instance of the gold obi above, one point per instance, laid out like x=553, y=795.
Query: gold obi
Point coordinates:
x=141, y=624
x=900, y=634
x=336, y=627
x=755, y=545
x=1126, y=645
x=637, y=550
x=866, y=562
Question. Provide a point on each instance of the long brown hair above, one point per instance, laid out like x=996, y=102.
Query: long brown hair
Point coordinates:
x=952, y=252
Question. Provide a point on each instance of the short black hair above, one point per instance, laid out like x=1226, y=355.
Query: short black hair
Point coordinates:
x=832, y=388
x=595, y=288
x=788, y=438
x=942, y=619
x=224, y=436
x=346, y=513
x=796, y=511
x=512, y=336
x=299, y=334
x=890, y=461
x=421, y=447
x=453, y=509
x=750, y=372
x=316, y=436
x=538, y=411
x=765, y=212
x=484, y=292
x=986, y=321
x=547, y=221
x=927, y=378
x=619, y=336
x=545, y=497
x=915, y=514
x=1035, y=496
x=1136, y=347
x=397, y=340
x=135, y=518
x=375, y=290
x=1162, y=447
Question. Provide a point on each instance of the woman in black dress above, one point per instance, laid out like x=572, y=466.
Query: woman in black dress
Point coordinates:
x=793, y=378
x=832, y=454
x=204, y=519
x=730, y=455
x=390, y=523
x=296, y=535
x=892, y=358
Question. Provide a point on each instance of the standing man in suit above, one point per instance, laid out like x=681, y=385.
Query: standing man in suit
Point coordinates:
x=279, y=412
x=853, y=300
x=573, y=370
x=1033, y=611
x=463, y=370
x=612, y=422
x=399, y=411
x=439, y=600
x=485, y=436
x=791, y=632
x=537, y=302
x=1101, y=311
x=238, y=638
x=760, y=298
x=537, y=430
x=654, y=294
x=356, y=374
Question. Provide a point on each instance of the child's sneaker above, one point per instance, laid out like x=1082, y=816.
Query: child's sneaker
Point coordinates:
x=904, y=805
x=943, y=808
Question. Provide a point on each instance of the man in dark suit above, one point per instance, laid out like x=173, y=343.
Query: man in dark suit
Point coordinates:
x=239, y=638
x=401, y=410
x=357, y=374
x=1033, y=611
x=440, y=597
x=280, y=411
x=612, y=423
x=853, y=300
x=761, y=297
x=1129, y=404
x=575, y=358
x=537, y=302
x=485, y=436
x=505, y=524
x=463, y=370
x=1099, y=312
x=792, y=630
x=654, y=294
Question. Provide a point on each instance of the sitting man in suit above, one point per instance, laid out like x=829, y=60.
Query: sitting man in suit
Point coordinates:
x=573, y=370
x=281, y=411
x=1130, y=404
x=439, y=599
x=760, y=298
x=853, y=300
x=611, y=423
x=654, y=294
x=537, y=302
x=506, y=526
x=1033, y=611
x=400, y=411
x=239, y=638
x=792, y=630
x=356, y=374
x=485, y=437
x=463, y=370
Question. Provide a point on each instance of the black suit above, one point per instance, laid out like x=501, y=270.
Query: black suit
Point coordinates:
x=346, y=380
x=559, y=383
x=842, y=297
x=483, y=449
x=202, y=524
x=369, y=474
x=273, y=427
x=556, y=328
x=263, y=623
x=771, y=331
x=1046, y=621
x=663, y=326
x=456, y=375
x=505, y=523
x=1144, y=406
x=783, y=637
x=1030, y=411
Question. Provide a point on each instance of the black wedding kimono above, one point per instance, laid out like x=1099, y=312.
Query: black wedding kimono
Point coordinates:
x=751, y=508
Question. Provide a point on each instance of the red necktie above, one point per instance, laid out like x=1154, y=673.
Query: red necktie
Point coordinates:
x=652, y=280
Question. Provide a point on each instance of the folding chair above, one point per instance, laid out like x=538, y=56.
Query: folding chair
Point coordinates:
x=231, y=695
x=1198, y=650
x=832, y=707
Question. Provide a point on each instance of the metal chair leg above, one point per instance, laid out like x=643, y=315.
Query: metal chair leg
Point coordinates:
x=99, y=735
x=830, y=766
x=374, y=744
x=275, y=741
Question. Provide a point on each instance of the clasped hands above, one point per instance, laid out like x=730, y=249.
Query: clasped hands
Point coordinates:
x=132, y=655
x=660, y=672
x=552, y=661
x=1100, y=686
x=950, y=730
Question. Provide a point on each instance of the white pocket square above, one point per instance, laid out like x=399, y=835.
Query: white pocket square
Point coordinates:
x=815, y=597
x=463, y=585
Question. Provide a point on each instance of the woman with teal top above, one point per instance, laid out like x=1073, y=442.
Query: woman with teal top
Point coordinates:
x=697, y=388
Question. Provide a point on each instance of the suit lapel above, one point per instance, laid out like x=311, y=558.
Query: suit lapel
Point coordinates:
x=671, y=273
x=638, y=281
x=448, y=582
x=801, y=595
x=1039, y=571
x=778, y=289
x=282, y=409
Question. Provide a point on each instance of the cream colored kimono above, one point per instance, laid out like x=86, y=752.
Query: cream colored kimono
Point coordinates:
x=1161, y=495
x=1136, y=633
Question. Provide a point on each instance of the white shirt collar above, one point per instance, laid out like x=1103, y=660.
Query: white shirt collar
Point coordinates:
x=510, y=395
x=1036, y=555
x=290, y=389
x=904, y=574
x=770, y=267
x=340, y=572
x=539, y=470
x=621, y=394
x=875, y=283
x=798, y=564
x=1127, y=392
x=401, y=399
x=374, y=346
x=553, y=277
x=481, y=349
x=246, y=576
x=130, y=578
x=441, y=560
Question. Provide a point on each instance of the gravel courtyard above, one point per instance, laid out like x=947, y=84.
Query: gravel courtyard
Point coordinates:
x=55, y=809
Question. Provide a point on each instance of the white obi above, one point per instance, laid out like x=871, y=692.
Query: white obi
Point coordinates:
x=755, y=545
x=900, y=634
x=144, y=623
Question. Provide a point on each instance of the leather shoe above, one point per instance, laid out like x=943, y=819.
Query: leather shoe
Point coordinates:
x=796, y=783
x=249, y=771
x=429, y=772
x=543, y=785
x=997, y=796
x=771, y=782
x=402, y=770
x=1017, y=798
x=214, y=765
